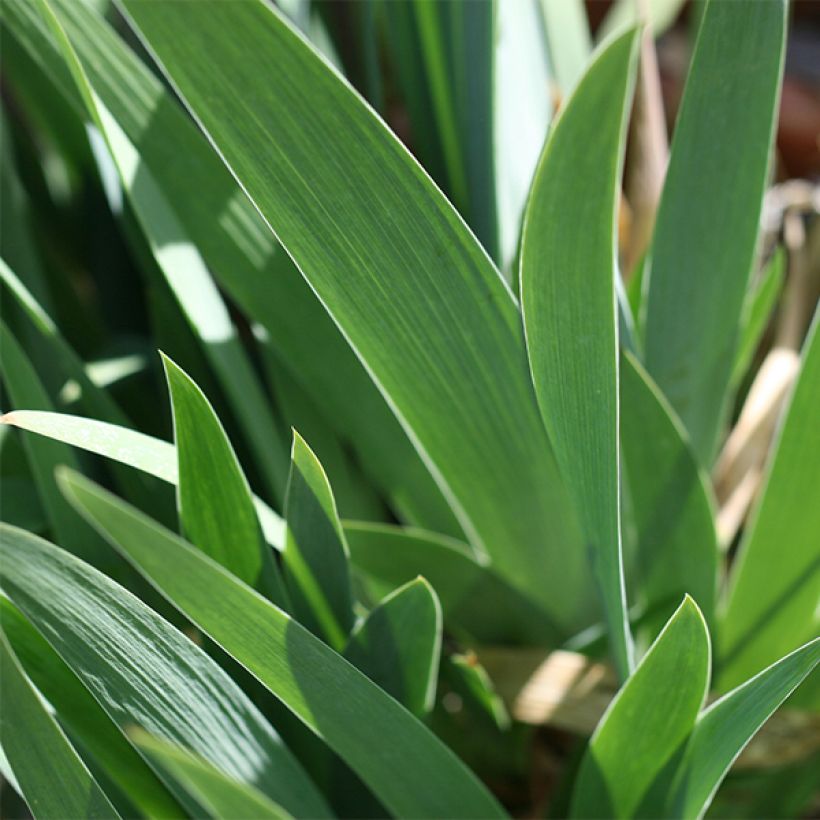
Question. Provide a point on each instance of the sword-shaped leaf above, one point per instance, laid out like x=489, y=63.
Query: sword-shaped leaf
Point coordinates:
x=568, y=269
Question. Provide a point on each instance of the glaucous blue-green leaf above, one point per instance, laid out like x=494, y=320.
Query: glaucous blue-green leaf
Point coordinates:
x=315, y=557
x=215, y=502
x=568, y=269
x=706, y=231
x=774, y=586
x=142, y=671
x=222, y=796
x=649, y=719
x=408, y=285
x=398, y=645
x=671, y=506
x=54, y=781
x=415, y=775
x=724, y=728
x=568, y=37
x=84, y=719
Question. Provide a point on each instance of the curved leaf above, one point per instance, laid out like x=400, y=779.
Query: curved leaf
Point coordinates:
x=315, y=559
x=398, y=645
x=568, y=270
x=215, y=502
x=141, y=670
x=774, y=588
x=649, y=719
x=415, y=776
x=54, y=781
x=405, y=281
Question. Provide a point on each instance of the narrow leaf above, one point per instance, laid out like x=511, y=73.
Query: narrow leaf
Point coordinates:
x=398, y=645
x=724, y=729
x=417, y=775
x=705, y=236
x=140, y=669
x=315, y=558
x=53, y=780
x=649, y=719
x=568, y=302
x=151, y=455
x=774, y=588
x=215, y=502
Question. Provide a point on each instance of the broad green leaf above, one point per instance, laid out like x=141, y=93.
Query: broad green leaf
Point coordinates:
x=26, y=390
x=470, y=679
x=649, y=719
x=568, y=270
x=398, y=645
x=151, y=455
x=236, y=244
x=474, y=599
x=215, y=503
x=222, y=796
x=315, y=558
x=415, y=775
x=701, y=257
x=185, y=272
x=141, y=670
x=84, y=719
x=568, y=38
x=757, y=311
x=723, y=730
x=53, y=780
x=671, y=503
x=413, y=293
x=774, y=587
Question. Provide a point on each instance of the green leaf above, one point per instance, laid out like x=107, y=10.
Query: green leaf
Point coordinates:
x=474, y=599
x=151, y=455
x=25, y=389
x=315, y=558
x=222, y=796
x=215, y=502
x=414, y=294
x=699, y=264
x=417, y=775
x=236, y=245
x=185, y=272
x=757, y=311
x=649, y=719
x=85, y=720
x=671, y=502
x=398, y=645
x=660, y=14
x=772, y=602
x=140, y=669
x=723, y=730
x=53, y=780
x=568, y=303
